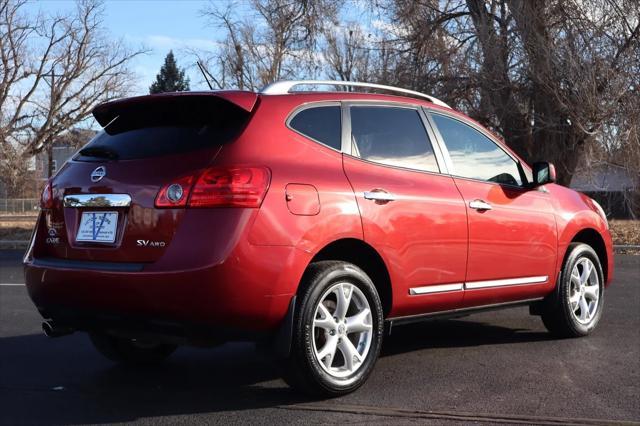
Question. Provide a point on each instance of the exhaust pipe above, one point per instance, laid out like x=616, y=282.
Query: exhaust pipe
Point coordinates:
x=52, y=329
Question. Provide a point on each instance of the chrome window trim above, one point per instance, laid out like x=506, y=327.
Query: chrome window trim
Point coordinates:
x=97, y=200
x=347, y=146
x=510, y=187
x=406, y=169
x=506, y=282
x=439, y=141
x=310, y=105
x=430, y=289
x=443, y=166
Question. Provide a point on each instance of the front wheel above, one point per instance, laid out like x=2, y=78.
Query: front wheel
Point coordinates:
x=338, y=328
x=575, y=307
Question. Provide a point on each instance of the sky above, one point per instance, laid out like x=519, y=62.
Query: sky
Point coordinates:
x=162, y=25
x=155, y=25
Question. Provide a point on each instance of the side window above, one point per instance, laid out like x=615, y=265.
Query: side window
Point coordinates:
x=321, y=123
x=474, y=155
x=392, y=136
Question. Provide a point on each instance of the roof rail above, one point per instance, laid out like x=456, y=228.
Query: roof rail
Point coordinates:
x=283, y=87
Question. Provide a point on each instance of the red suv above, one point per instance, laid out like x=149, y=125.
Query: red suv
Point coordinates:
x=313, y=221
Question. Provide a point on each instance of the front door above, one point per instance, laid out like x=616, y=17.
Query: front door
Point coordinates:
x=411, y=213
x=512, y=228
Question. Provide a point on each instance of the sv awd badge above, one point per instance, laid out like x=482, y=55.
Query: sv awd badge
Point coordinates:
x=149, y=243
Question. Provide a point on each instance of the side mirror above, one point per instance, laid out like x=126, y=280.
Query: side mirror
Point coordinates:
x=543, y=173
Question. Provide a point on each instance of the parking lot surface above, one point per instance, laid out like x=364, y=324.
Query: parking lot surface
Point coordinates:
x=494, y=367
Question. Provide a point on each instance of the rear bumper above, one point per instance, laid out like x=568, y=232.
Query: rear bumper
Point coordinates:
x=246, y=294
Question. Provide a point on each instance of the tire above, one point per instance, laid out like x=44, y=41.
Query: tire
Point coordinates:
x=575, y=307
x=311, y=367
x=129, y=351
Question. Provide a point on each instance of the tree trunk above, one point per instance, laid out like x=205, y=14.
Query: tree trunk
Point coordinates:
x=562, y=146
x=50, y=161
x=495, y=85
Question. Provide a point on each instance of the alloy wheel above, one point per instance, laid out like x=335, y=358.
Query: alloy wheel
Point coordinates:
x=342, y=330
x=584, y=291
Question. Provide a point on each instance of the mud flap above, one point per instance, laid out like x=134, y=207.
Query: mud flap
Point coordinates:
x=282, y=342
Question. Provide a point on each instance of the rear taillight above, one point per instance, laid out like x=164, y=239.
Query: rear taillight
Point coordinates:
x=46, y=199
x=231, y=187
x=219, y=187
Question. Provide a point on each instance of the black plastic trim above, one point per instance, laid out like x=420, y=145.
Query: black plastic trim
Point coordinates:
x=461, y=312
x=284, y=336
x=51, y=262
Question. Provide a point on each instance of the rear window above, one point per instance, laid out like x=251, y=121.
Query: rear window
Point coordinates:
x=321, y=123
x=165, y=127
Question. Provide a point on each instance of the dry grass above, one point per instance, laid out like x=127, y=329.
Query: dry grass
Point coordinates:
x=15, y=231
x=625, y=231
x=33, y=213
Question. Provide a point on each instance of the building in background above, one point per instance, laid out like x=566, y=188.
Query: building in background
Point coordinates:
x=613, y=186
x=62, y=150
x=37, y=167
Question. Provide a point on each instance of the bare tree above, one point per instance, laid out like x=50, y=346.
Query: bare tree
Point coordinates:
x=549, y=76
x=348, y=54
x=554, y=78
x=276, y=39
x=53, y=71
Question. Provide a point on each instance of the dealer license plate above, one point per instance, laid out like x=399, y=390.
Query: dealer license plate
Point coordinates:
x=98, y=227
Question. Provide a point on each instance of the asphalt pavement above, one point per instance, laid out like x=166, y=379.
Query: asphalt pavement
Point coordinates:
x=494, y=367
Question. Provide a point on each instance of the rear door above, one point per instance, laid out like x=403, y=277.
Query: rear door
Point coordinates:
x=512, y=229
x=411, y=213
x=104, y=198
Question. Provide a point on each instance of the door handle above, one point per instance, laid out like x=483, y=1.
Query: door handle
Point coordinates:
x=379, y=195
x=480, y=205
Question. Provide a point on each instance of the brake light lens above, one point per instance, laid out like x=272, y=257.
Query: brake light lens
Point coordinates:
x=175, y=194
x=231, y=187
x=46, y=199
x=217, y=187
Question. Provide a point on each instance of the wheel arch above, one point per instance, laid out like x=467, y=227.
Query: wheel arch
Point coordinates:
x=593, y=239
x=365, y=257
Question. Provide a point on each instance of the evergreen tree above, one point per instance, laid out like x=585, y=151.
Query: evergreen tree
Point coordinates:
x=170, y=78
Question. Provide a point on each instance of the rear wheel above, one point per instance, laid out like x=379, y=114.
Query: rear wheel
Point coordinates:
x=575, y=307
x=130, y=351
x=338, y=327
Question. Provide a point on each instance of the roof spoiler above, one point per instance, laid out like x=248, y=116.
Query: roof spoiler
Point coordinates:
x=105, y=113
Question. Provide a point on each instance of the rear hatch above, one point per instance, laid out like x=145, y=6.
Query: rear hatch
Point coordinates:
x=103, y=202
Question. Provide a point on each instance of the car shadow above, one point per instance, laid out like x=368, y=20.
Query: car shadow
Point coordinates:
x=455, y=334
x=65, y=381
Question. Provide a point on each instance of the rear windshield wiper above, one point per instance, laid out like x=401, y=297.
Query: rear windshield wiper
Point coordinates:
x=99, y=152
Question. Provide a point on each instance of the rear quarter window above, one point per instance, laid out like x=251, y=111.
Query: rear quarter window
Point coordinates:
x=321, y=123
